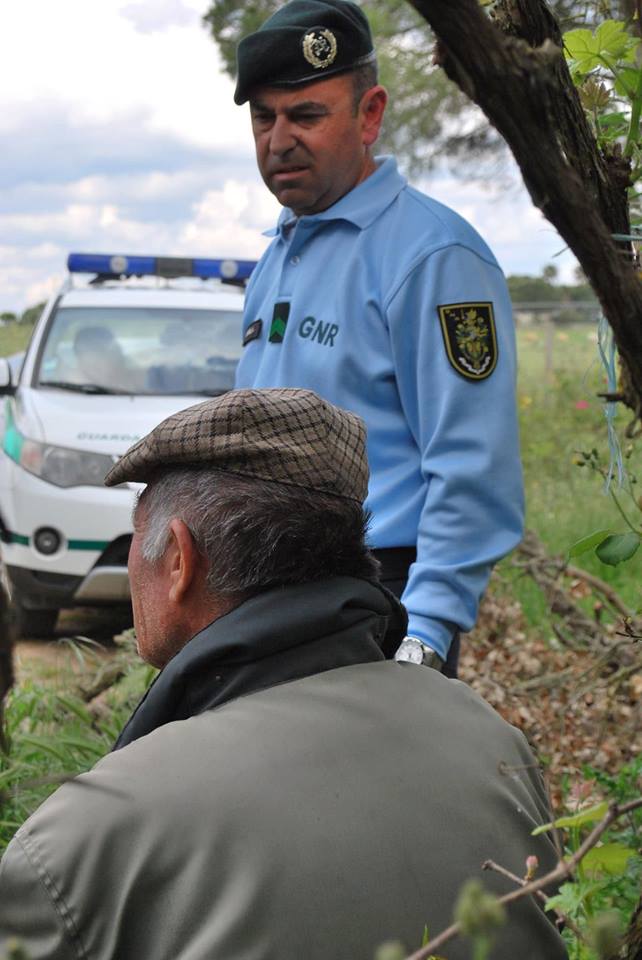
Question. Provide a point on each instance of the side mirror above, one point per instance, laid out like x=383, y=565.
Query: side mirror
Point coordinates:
x=7, y=387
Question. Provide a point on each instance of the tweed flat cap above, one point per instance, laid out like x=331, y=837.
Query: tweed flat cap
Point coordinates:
x=285, y=435
x=304, y=41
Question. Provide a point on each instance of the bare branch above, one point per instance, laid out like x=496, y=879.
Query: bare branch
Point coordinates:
x=521, y=882
x=563, y=870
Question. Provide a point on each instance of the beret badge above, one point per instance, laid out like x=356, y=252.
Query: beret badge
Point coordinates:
x=319, y=47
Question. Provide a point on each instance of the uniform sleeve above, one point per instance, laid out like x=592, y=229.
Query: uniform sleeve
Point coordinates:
x=28, y=912
x=465, y=427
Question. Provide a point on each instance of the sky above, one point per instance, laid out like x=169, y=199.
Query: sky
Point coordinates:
x=120, y=135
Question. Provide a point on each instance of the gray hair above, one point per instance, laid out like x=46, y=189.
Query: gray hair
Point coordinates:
x=256, y=534
x=363, y=78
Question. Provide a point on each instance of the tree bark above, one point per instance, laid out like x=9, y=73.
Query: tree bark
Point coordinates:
x=633, y=939
x=514, y=69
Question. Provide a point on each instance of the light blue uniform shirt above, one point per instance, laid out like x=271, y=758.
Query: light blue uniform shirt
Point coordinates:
x=364, y=281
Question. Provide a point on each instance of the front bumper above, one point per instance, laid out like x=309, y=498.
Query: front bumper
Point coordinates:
x=106, y=583
x=93, y=524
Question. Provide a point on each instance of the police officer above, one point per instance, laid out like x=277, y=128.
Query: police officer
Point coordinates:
x=389, y=304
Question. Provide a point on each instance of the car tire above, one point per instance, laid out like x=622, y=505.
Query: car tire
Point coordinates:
x=38, y=624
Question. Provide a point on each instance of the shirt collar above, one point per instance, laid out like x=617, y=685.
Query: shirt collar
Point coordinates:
x=362, y=205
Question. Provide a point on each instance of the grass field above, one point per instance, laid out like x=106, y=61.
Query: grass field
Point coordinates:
x=13, y=338
x=561, y=414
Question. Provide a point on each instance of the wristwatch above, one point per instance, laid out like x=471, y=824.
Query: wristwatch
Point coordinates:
x=412, y=650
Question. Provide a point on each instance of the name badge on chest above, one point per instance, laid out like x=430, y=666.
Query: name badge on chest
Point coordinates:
x=253, y=332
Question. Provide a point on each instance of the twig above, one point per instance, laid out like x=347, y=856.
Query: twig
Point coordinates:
x=547, y=680
x=563, y=869
x=615, y=680
x=623, y=674
x=110, y=674
x=557, y=839
x=491, y=865
x=57, y=780
x=601, y=586
x=612, y=397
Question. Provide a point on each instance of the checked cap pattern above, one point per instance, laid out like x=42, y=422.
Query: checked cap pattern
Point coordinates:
x=285, y=435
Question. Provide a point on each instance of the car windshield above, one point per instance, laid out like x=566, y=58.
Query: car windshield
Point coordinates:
x=145, y=350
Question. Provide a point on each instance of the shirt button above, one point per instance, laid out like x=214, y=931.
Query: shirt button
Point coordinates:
x=294, y=260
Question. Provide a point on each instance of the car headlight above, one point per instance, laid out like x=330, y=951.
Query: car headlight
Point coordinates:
x=58, y=465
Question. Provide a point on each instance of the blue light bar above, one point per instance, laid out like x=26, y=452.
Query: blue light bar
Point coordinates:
x=113, y=266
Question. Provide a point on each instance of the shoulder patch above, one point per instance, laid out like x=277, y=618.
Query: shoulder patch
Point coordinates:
x=253, y=332
x=470, y=338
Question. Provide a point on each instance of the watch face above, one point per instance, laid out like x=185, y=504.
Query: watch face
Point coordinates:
x=410, y=651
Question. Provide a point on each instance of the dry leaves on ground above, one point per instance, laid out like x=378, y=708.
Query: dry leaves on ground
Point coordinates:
x=576, y=706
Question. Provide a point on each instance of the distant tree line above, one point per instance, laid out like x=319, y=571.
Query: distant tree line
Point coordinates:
x=28, y=316
x=546, y=289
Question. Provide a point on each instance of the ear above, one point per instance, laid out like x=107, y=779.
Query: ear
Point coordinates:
x=182, y=558
x=371, y=108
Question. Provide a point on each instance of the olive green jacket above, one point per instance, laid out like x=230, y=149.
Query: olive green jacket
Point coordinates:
x=311, y=820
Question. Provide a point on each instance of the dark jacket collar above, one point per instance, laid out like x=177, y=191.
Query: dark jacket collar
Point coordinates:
x=280, y=635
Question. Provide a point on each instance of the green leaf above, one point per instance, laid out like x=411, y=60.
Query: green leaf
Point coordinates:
x=614, y=121
x=617, y=548
x=579, y=819
x=579, y=45
x=610, y=858
x=627, y=82
x=569, y=899
x=589, y=543
x=585, y=50
x=84, y=745
x=612, y=38
x=76, y=707
x=44, y=745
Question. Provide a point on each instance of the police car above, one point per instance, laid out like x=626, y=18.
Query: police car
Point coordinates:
x=107, y=361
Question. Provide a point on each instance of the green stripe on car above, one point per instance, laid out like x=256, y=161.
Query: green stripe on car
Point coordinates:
x=87, y=544
x=12, y=537
x=17, y=538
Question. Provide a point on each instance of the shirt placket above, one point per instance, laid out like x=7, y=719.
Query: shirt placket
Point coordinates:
x=295, y=235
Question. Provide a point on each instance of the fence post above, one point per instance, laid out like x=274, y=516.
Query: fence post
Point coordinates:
x=549, y=343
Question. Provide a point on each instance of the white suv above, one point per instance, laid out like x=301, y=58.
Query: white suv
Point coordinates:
x=107, y=361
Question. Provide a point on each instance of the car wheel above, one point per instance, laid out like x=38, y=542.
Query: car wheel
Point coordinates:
x=34, y=623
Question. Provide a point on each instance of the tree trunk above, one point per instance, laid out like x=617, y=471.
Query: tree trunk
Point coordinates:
x=518, y=76
x=633, y=939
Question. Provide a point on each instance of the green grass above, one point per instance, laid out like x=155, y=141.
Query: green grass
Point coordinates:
x=560, y=414
x=14, y=337
x=54, y=733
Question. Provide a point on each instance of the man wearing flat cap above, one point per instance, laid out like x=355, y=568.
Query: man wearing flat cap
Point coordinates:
x=390, y=305
x=282, y=790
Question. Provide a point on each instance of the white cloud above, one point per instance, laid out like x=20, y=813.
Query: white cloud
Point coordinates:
x=517, y=232
x=91, y=57
x=41, y=290
x=148, y=18
x=230, y=221
x=123, y=136
x=225, y=222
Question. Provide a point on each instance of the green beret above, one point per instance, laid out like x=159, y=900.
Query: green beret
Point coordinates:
x=304, y=41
